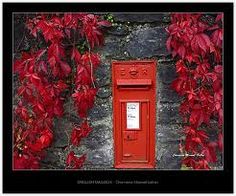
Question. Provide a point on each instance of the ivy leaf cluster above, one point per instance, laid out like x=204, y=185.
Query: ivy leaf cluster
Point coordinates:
x=50, y=75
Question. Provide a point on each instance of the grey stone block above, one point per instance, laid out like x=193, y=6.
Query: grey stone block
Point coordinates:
x=168, y=133
x=61, y=126
x=146, y=43
x=166, y=94
x=100, y=136
x=166, y=73
x=55, y=159
x=101, y=109
x=99, y=158
x=118, y=30
x=165, y=156
x=104, y=93
x=168, y=114
x=141, y=17
x=112, y=47
x=18, y=34
x=103, y=74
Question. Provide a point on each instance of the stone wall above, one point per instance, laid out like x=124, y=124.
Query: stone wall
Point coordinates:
x=134, y=36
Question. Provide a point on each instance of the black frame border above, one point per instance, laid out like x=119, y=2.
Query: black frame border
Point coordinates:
x=168, y=181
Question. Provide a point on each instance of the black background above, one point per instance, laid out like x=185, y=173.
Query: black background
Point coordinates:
x=168, y=181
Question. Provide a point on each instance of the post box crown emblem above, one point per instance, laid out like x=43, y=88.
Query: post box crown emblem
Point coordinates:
x=133, y=71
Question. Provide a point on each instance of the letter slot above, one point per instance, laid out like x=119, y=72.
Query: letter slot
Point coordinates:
x=133, y=84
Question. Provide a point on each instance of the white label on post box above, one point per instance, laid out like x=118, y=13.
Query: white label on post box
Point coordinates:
x=132, y=112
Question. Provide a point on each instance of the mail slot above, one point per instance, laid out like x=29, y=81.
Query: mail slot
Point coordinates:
x=134, y=113
x=134, y=83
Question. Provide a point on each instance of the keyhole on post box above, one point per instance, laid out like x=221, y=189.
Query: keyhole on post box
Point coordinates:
x=130, y=136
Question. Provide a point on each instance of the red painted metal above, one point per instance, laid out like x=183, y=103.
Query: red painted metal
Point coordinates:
x=134, y=113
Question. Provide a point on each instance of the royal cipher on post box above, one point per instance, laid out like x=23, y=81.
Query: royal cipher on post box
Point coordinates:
x=134, y=113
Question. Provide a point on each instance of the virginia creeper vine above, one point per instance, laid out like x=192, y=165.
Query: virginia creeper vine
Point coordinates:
x=197, y=46
x=47, y=76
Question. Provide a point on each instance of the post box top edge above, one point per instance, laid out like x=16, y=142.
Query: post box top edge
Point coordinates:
x=134, y=62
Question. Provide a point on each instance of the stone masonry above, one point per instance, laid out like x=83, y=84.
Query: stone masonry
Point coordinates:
x=133, y=37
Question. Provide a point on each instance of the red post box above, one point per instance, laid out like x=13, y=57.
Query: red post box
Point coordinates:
x=134, y=113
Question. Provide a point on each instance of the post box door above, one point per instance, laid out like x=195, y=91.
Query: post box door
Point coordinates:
x=135, y=131
x=134, y=113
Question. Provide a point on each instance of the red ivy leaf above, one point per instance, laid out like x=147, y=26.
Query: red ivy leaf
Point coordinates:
x=104, y=23
x=91, y=29
x=210, y=152
x=202, y=164
x=84, y=100
x=168, y=43
x=217, y=37
x=181, y=51
x=75, y=55
x=80, y=132
x=83, y=76
x=85, y=129
x=220, y=113
x=65, y=68
x=25, y=161
x=181, y=68
x=220, y=141
x=74, y=162
x=40, y=107
x=22, y=111
x=93, y=57
x=189, y=162
x=46, y=138
x=198, y=116
x=219, y=17
x=201, y=44
x=75, y=136
x=42, y=142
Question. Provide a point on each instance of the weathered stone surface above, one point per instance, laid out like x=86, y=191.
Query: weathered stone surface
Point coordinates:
x=55, y=159
x=100, y=158
x=168, y=114
x=143, y=18
x=166, y=73
x=112, y=47
x=165, y=156
x=99, y=136
x=118, y=30
x=209, y=19
x=168, y=137
x=147, y=42
x=18, y=34
x=103, y=75
x=101, y=109
x=166, y=94
x=168, y=133
x=61, y=129
x=99, y=144
x=104, y=93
